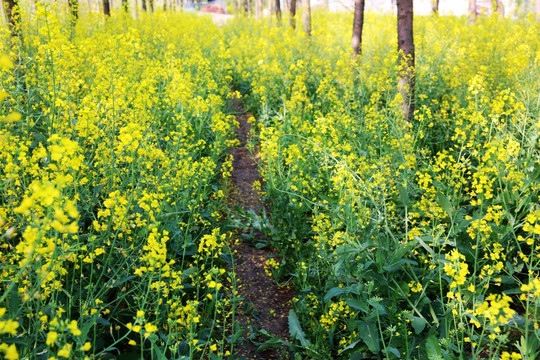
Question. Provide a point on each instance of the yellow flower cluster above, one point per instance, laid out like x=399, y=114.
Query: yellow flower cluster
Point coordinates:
x=8, y=326
x=496, y=309
x=457, y=268
x=111, y=136
x=335, y=312
x=532, y=289
x=212, y=244
x=430, y=208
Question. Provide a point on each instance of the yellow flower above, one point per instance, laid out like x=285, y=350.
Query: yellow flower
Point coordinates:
x=65, y=351
x=13, y=117
x=150, y=328
x=72, y=326
x=533, y=288
x=496, y=309
x=51, y=338
x=10, y=352
x=5, y=62
x=8, y=326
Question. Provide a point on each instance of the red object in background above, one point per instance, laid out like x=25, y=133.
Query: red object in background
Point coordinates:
x=214, y=9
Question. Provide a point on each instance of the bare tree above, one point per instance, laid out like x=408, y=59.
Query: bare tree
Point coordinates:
x=435, y=7
x=125, y=5
x=258, y=9
x=12, y=13
x=472, y=12
x=143, y=5
x=106, y=8
x=358, y=25
x=406, y=56
x=135, y=9
x=306, y=16
x=151, y=3
x=499, y=7
x=292, y=12
x=278, y=10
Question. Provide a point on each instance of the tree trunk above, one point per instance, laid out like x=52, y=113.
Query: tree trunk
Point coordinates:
x=278, y=11
x=499, y=7
x=435, y=7
x=73, y=10
x=106, y=8
x=125, y=5
x=246, y=7
x=406, y=57
x=144, y=5
x=472, y=12
x=151, y=2
x=292, y=11
x=258, y=9
x=306, y=16
x=358, y=25
x=12, y=14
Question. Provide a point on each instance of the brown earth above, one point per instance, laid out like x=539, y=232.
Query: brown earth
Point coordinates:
x=266, y=305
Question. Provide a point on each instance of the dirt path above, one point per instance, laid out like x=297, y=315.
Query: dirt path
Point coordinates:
x=265, y=305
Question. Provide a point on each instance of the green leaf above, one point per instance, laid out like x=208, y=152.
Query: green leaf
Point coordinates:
x=237, y=335
x=102, y=321
x=273, y=342
x=97, y=189
x=349, y=347
x=369, y=334
x=295, y=330
x=418, y=324
x=433, y=348
x=394, y=351
x=398, y=264
x=334, y=292
x=124, y=280
x=358, y=305
x=381, y=309
x=425, y=246
x=158, y=354
x=444, y=202
x=403, y=195
x=14, y=301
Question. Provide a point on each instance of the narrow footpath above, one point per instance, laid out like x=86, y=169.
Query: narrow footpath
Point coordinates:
x=266, y=305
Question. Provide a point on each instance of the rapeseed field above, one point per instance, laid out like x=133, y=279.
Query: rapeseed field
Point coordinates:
x=402, y=240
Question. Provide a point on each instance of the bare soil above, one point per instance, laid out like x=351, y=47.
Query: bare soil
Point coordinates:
x=266, y=305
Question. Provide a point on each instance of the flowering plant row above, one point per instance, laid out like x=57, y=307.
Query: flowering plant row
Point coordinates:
x=406, y=240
